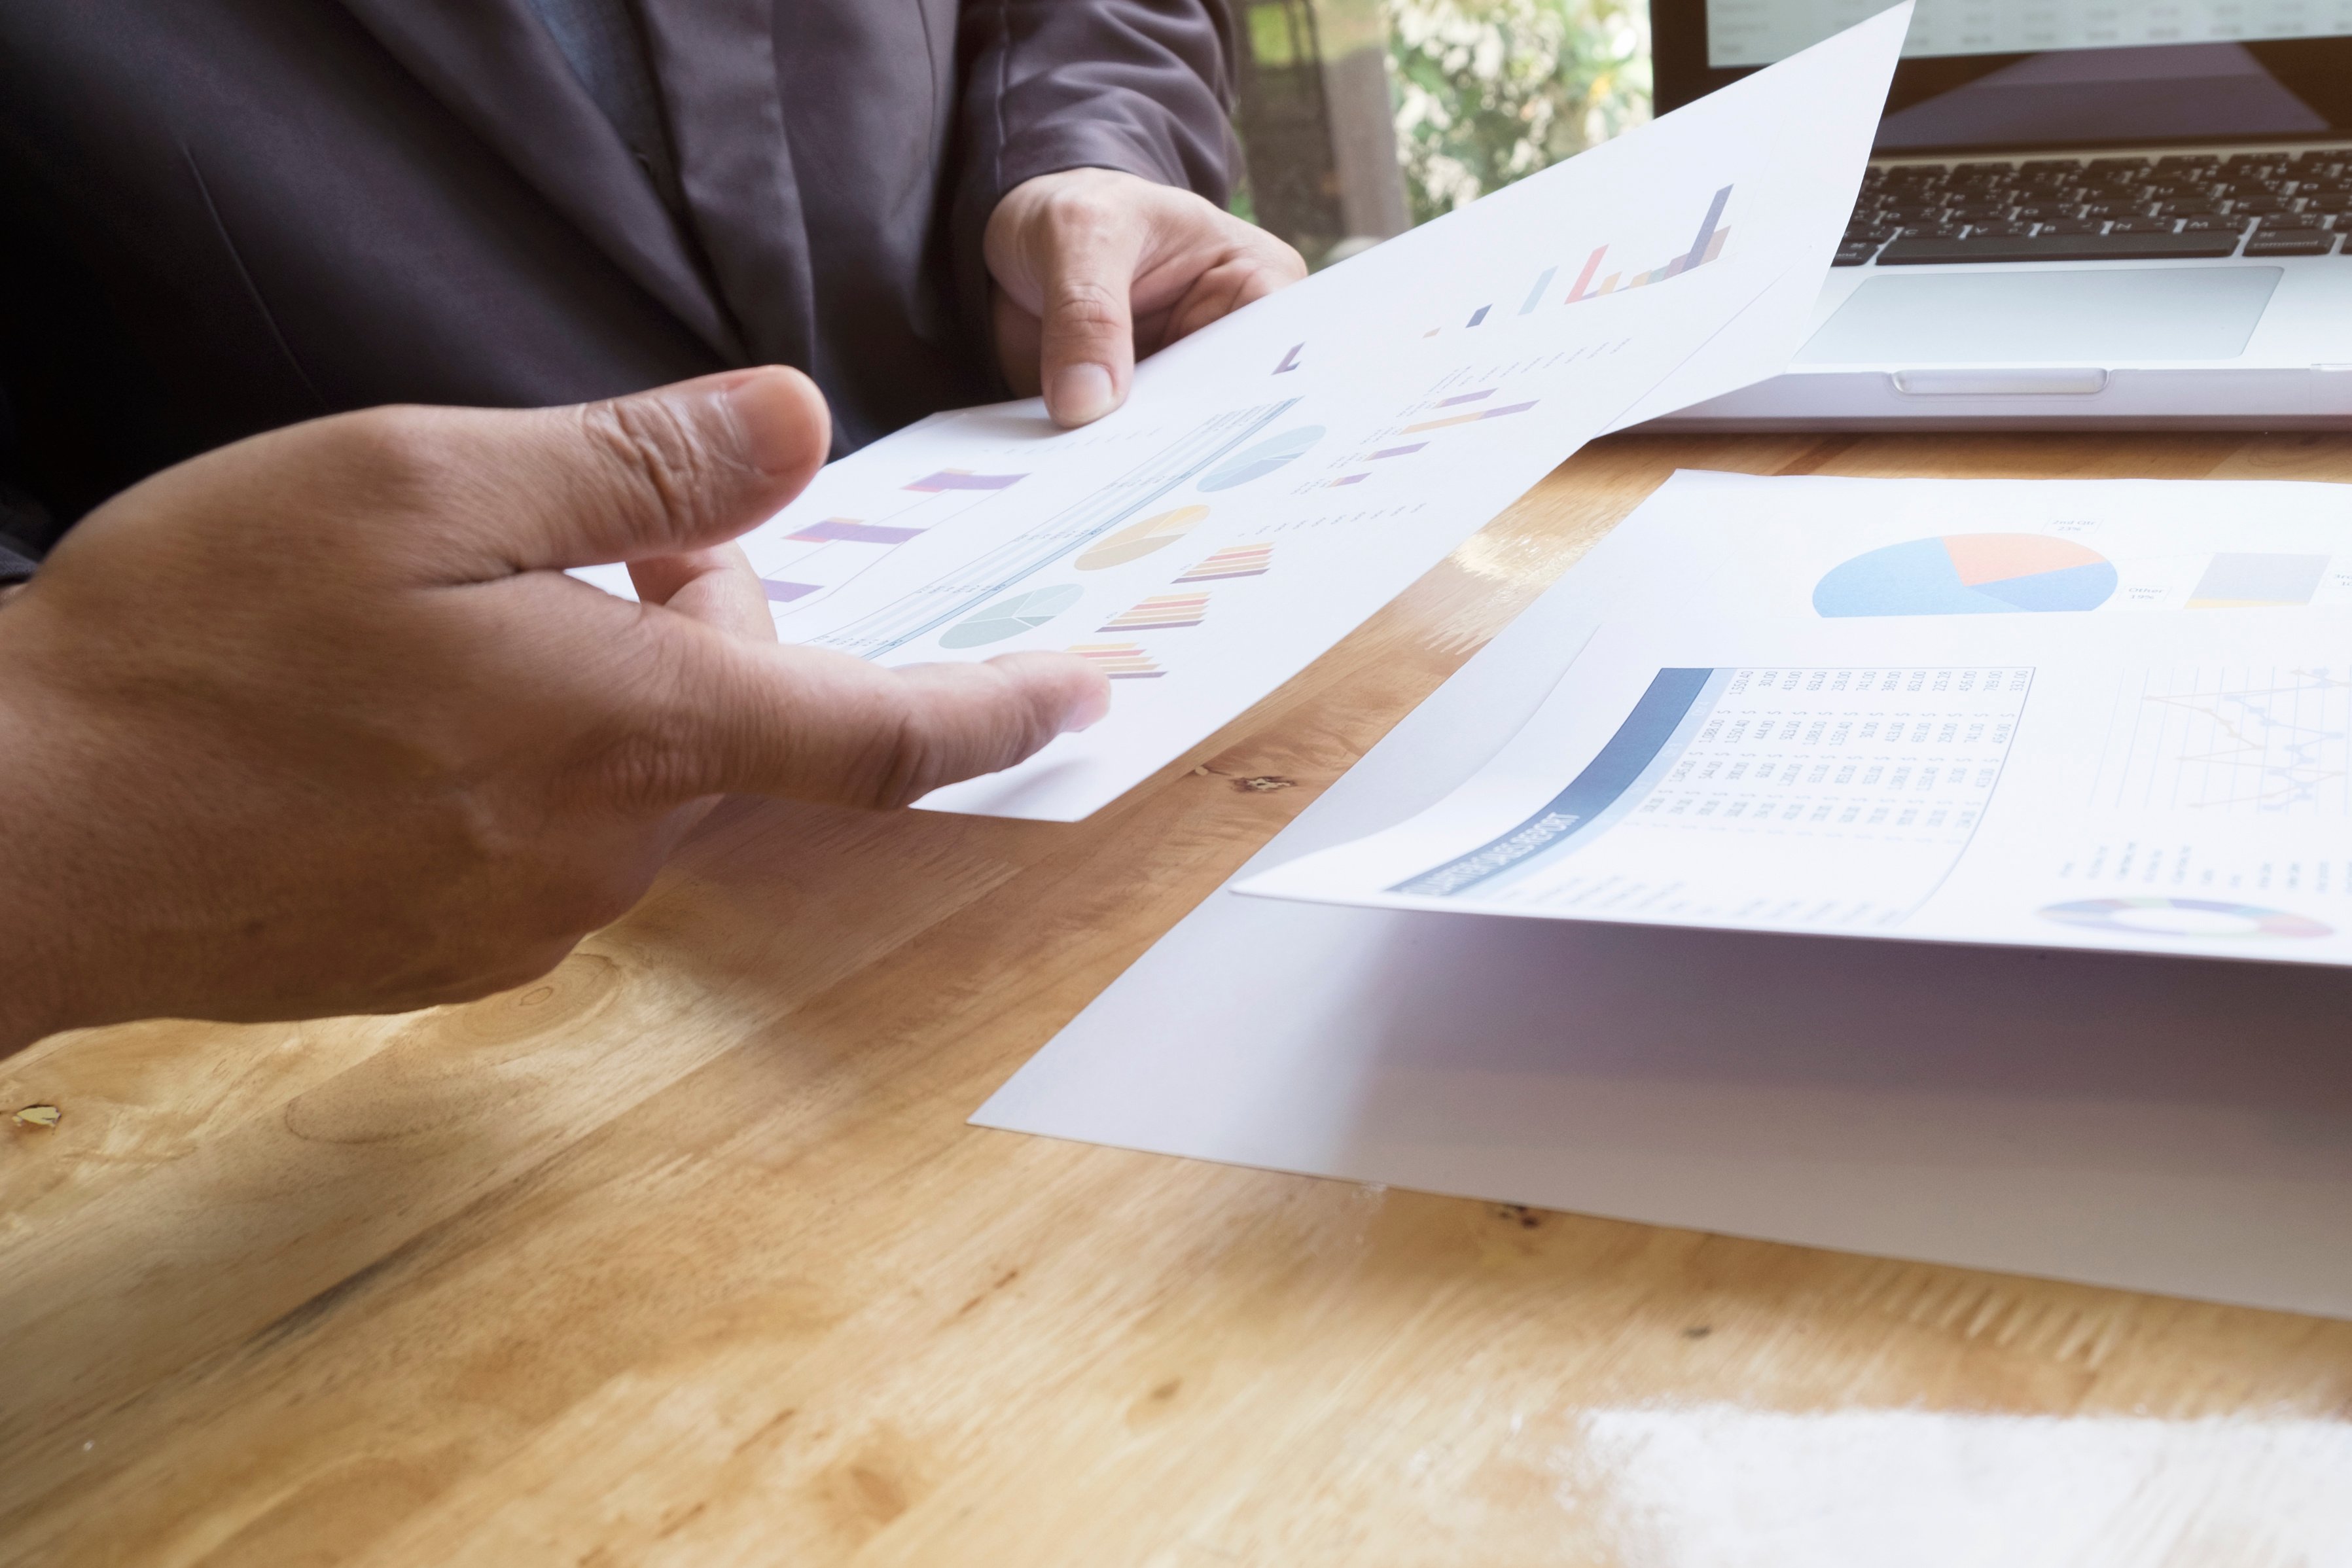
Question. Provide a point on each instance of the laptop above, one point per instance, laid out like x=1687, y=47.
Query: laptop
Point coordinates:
x=2078, y=212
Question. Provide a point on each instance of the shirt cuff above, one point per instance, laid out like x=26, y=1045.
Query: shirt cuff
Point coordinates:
x=15, y=566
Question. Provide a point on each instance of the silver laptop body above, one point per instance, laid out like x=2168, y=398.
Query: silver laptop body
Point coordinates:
x=2150, y=280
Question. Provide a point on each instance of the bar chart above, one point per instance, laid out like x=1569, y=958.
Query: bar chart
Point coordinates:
x=1707, y=245
x=1592, y=283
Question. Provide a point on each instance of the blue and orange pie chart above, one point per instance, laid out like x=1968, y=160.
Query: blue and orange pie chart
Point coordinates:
x=1968, y=575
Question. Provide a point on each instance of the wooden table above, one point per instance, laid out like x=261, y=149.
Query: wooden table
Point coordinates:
x=685, y=1254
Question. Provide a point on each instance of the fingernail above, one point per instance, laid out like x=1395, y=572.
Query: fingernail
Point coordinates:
x=1089, y=710
x=1080, y=394
x=773, y=420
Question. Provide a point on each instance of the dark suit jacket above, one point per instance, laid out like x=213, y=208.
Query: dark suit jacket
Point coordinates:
x=224, y=216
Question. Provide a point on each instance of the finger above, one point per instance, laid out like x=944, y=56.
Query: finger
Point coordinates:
x=672, y=470
x=1222, y=290
x=715, y=586
x=1245, y=265
x=808, y=724
x=1020, y=343
x=1086, y=353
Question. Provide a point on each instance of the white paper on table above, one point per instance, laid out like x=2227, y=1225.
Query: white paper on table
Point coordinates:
x=2178, y=785
x=1279, y=476
x=1707, y=547
x=2150, y=1124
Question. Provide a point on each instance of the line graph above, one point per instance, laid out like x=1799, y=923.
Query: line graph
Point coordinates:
x=2257, y=741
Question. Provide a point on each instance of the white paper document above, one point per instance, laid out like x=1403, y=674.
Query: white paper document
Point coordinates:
x=1708, y=548
x=2103, y=1116
x=1276, y=477
x=2173, y=784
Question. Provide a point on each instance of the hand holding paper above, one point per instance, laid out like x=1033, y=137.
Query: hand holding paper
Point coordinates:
x=1283, y=472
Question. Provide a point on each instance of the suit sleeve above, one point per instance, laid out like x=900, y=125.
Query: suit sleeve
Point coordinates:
x=1142, y=86
x=1145, y=87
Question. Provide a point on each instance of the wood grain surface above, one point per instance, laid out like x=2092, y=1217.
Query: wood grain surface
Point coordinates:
x=685, y=1255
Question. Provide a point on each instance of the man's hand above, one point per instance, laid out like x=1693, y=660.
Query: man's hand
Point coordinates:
x=1094, y=268
x=316, y=723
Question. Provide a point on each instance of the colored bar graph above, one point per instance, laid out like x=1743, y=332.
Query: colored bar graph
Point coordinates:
x=1534, y=295
x=1697, y=252
x=1160, y=613
x=1584, y=278
x=1290, y=360
x=1119, y=660
x=1466, y=398
x=785, y=593
x=1233, y=561
x=1478, y=315
x=1348, y=480
x=1404, y=451
x=1466, y=418
x=849, y=530
x=1705, y=246
x=963, y=480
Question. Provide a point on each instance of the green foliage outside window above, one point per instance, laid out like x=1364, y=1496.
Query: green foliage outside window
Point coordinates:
x=1490, y=90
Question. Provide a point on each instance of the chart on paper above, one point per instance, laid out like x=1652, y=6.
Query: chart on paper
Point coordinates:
x=1710, y=545
x=1719, y=796
x=2173, y=784
x=1280, y=474
x=2247, y=742
x=1196, y=557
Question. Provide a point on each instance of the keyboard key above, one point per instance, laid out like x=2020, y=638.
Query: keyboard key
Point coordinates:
x=2289, y=242
x=2210, y=224
x=2060, y=248
x=2141, y=226
x=1981, y=230
x=2074, y=226
x=2050, y=166
x=2105, y=165
x=2257, y=205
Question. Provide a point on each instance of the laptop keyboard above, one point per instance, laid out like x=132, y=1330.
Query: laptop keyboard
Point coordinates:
x=2102, y=209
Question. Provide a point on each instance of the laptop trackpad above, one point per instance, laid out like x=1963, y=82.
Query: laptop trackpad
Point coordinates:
x=2092, y=316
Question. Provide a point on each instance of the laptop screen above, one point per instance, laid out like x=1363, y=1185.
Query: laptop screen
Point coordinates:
x=1757, y=32
x=2019, y=75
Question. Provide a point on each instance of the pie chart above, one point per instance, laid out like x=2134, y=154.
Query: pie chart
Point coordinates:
x=1011, y=617
x=1134, y=543
x=2182, y=916
x=1968, y=575
x=1256, y=462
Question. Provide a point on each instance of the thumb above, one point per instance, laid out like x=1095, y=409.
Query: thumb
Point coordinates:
x=666, y=472
x=809, y=724
x=1087, y=338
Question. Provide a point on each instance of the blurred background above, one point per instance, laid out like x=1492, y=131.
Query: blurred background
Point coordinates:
x=1362, y=118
